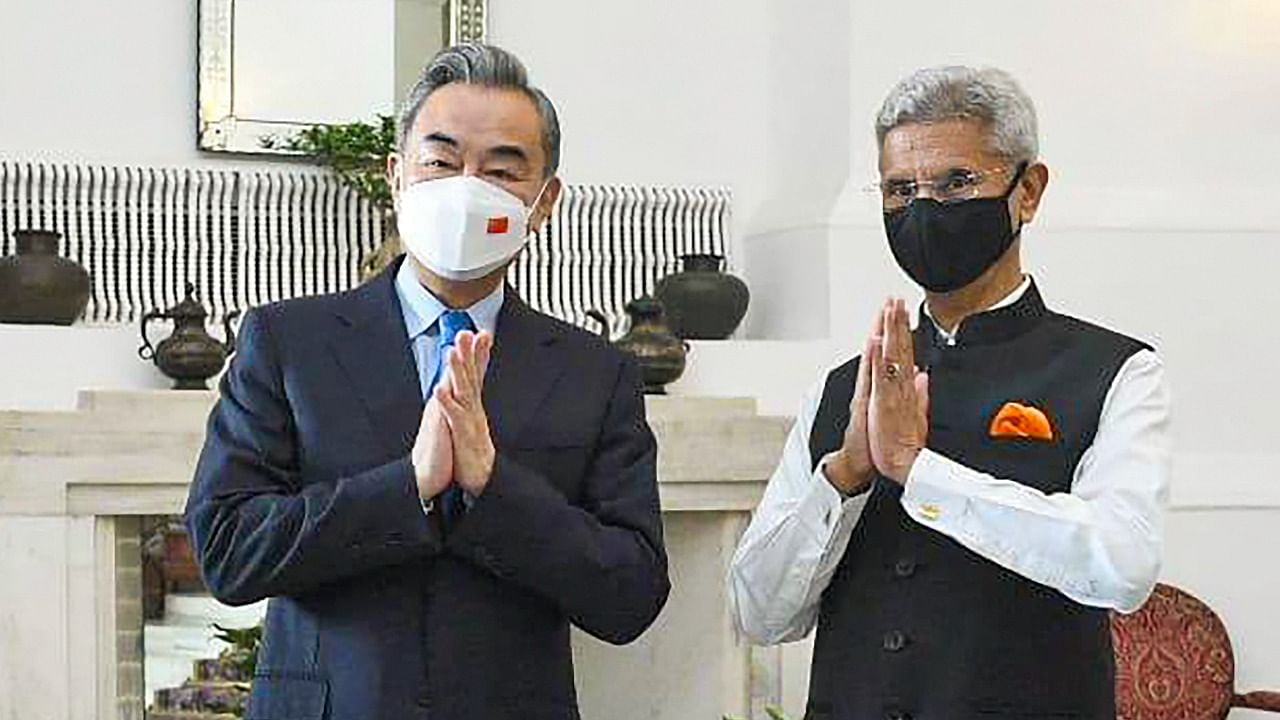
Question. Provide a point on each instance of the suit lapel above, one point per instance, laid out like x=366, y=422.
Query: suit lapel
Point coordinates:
x=523, y=368
x=374, y=351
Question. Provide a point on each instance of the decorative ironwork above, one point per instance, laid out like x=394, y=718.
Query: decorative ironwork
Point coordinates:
x=468, y=22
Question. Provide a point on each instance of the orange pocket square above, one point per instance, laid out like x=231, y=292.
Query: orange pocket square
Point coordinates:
x=1015, y=420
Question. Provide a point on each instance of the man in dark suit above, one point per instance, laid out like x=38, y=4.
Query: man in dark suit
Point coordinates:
x=425, y=558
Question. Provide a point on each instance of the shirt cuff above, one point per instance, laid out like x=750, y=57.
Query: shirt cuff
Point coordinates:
x=827, y=498
x=947, y=496
x=937, y=491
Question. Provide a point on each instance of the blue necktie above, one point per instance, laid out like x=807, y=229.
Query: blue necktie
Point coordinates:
x=451, y=323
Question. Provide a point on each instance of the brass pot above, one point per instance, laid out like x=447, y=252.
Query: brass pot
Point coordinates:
x=661, y=354
x=190, y=355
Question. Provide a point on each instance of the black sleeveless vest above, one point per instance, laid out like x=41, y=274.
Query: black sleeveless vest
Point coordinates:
x=915, y=625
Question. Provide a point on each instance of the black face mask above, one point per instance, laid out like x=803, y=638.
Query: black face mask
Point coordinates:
x=944, y=247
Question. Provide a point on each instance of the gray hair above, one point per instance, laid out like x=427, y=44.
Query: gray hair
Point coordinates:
x=477, y=64
x=989, y=95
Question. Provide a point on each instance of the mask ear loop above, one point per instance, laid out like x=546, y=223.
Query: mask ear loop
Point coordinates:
x=1017, y=177
x=397, y=187
x=1013, y=185
x=534, y=205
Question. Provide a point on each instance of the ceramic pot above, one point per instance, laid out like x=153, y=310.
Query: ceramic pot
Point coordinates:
x=702, y=301
x=37, y=286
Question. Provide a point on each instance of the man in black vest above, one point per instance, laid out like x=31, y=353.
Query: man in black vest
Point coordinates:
x=959, y=513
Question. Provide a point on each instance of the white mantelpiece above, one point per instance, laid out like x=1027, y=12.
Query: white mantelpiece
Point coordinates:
x=73, y=484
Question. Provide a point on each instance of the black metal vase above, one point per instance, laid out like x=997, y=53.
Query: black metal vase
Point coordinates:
x=660, y=353
x=38, y=286
x=702, y=301
x=190, y=356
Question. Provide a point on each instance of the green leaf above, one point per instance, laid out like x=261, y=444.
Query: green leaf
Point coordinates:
x=356, y=152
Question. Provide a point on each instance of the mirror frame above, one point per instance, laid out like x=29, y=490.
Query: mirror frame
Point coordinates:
x=220, y=130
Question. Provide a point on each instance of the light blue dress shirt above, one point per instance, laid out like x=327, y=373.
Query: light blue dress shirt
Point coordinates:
x=422, y=311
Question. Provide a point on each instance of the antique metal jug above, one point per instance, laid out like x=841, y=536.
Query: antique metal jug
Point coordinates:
x=660, y=353
x=190, y=355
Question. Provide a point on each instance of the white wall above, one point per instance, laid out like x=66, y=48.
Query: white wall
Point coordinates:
x=1157, y=121
x=99, y=82
x=43, y=367
x=688, y=93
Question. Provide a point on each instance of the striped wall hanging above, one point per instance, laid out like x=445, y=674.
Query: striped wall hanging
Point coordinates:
x=247, y=237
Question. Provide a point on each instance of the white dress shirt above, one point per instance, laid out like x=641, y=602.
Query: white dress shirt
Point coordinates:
x=1099, y=544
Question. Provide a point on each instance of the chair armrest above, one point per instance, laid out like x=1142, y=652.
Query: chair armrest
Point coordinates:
x=1261, y=700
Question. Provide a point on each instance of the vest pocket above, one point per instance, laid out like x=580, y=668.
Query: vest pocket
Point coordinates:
x=1041, y=464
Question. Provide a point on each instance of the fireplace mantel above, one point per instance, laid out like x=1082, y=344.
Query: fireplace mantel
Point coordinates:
x=72, y=485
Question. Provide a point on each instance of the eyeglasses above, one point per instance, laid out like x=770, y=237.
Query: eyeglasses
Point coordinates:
x=955, y=185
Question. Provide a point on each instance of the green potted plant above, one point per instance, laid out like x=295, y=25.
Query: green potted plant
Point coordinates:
x=218, y=688
x=357, y=153
x=241, y=658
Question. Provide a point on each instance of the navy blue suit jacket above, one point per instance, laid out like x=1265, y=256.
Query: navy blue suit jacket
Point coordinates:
x=304, y=493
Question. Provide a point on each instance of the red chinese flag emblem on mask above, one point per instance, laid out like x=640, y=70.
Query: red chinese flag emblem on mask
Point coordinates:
x=498, y=225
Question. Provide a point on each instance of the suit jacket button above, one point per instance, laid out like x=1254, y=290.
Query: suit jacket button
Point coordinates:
x=904, y=568
x=894, y=641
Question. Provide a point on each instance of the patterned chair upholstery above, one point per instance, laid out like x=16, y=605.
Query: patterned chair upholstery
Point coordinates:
x=1174, y=662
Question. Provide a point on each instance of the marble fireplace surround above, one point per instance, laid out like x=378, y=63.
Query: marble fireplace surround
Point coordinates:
x=73, y=486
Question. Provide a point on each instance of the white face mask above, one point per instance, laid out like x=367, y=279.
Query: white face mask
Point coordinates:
x=462, y=227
